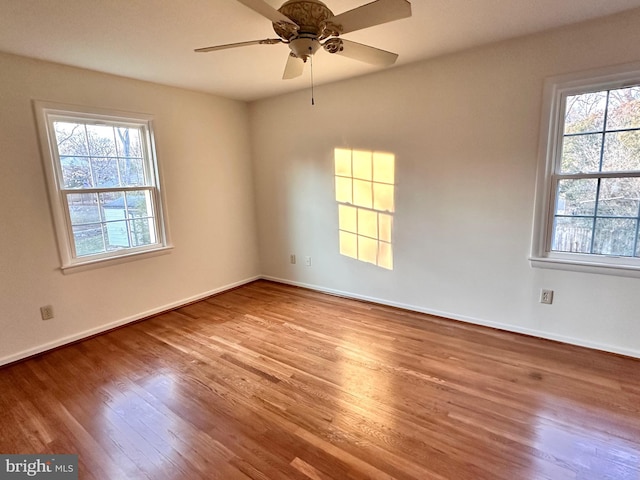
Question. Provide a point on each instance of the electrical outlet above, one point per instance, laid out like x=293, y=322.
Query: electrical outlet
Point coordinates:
x=46, y=312
x=546, y=296
x=307, y=261
x=292, y=258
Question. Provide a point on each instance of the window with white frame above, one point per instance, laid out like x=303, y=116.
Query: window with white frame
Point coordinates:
x=103, y=183
x=589, y=181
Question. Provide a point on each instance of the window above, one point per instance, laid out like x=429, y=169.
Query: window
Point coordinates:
x=589, y=184
x=103, y=183
x=365, y=196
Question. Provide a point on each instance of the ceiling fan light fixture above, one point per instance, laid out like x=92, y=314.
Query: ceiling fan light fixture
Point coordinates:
x=303, y=47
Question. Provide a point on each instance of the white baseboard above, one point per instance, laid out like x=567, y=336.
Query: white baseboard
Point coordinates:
x=118, y=323
x=170, y=306
x=476, y=321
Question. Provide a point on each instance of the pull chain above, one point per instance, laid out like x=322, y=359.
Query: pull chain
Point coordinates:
x=312, y=99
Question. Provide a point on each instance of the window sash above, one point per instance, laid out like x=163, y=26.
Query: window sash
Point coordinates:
x=102, y=221
x=599, y=175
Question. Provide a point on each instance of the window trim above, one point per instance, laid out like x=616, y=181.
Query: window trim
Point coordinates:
x=45, y=113
x=555, y=91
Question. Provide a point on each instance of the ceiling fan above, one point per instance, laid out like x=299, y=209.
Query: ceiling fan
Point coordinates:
x=307, y=25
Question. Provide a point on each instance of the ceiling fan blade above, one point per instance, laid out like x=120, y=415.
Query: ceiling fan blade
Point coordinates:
x=374, y=13
x=364, y=53
x=293, y=68
x=267, y=41
x=268, y=11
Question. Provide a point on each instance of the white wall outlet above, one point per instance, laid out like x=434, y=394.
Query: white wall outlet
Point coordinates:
x=307, y=261
x=546, y=296
x=292, y=258
x=46, y=312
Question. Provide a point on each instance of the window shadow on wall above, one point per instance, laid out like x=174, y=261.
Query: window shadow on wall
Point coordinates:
x=365, y=187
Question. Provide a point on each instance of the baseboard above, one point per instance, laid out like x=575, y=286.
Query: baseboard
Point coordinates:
x=177, y=304
x=119, y=323
x=627, y=352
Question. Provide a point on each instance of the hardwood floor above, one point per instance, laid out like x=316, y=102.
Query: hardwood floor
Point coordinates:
x=269, y=381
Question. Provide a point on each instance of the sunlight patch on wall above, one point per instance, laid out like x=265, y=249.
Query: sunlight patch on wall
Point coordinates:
x=365, y=196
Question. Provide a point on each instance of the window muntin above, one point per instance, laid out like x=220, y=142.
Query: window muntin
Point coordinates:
x=596, y=182
x=104, y=184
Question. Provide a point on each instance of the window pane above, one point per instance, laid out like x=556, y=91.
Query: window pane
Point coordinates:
x=101, y=141
x=139, y=204
x=585, y=113
x=571, y=234
x=105, y=172
x=131, y=172
x=128, y=142
x=581, y=153
x=624, y=108
x=117, y=235
x=112, y=204
x=621, y=151
x=76, y=172
x=83, y=208
x=576, y=197
x=88, y=239
x=619, y=197
x=614, y=236
x=71, y=138
x=142, y=232
x=362, y=165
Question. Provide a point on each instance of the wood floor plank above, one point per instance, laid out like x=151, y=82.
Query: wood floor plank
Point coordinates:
x=269, y=381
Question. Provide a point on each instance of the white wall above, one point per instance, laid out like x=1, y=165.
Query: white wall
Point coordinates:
x=203, y=149
x=464, y=129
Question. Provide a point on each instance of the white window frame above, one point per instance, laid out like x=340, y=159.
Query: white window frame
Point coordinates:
x=556, y=89
x=46, y=113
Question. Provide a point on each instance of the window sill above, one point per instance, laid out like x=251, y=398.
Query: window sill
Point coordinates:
x=103, y=262
x=586, y=266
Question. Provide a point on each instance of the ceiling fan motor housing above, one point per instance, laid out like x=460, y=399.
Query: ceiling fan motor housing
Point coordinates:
x=309, y=15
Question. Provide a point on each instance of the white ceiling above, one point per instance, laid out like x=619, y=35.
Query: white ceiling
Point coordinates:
x=154, y=39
